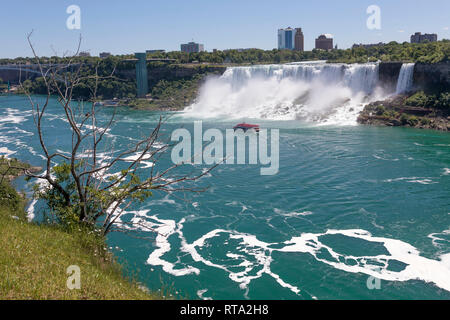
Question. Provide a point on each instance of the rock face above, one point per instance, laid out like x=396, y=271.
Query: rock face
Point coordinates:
x=171, y=72
x=428, y=77
x=394, y=112
x=432, y=77
x=15, y=76
x=388, y=74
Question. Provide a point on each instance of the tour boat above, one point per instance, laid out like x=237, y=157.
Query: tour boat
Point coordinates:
x=245, y=126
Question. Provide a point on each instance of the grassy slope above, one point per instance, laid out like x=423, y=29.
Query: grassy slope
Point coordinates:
x=34, y=259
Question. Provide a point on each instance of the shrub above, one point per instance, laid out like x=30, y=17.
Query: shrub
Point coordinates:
x=425, y=121
x=413, y=121
x=9, y=197
x=404, y=119
x=380, y=110
x=419, y=99
x=444, y=101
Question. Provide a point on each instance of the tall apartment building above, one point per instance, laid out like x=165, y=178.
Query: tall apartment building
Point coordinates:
x=192, y=47
x=324, y=42
x=299, y=40
x=418, y=37
x=291, y=39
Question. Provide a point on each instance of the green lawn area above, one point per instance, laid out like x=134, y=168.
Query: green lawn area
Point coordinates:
x=34, y=259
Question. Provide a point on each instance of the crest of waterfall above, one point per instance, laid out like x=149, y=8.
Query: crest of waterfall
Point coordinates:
x=405, y=78
x=313, y=91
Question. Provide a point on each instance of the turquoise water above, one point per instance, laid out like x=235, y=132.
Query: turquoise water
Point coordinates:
x=348, y=203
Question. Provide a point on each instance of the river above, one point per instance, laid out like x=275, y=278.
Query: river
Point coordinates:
x=354, y=212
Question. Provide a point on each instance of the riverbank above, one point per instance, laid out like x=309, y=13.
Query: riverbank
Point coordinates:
x=171, y=95
x=408, y=111
x=34, y=257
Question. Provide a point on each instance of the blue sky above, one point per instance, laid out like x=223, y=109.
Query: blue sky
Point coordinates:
x=136, y=25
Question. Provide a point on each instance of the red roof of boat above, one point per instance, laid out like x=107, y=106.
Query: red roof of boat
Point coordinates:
x=246, y=125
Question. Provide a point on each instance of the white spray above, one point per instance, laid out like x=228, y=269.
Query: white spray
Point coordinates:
x=314, y=91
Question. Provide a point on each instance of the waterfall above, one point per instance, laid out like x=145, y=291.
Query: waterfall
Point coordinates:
x=315, y=91
x=405, y=78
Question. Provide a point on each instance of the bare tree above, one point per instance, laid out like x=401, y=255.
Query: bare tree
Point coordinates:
x=77, y=184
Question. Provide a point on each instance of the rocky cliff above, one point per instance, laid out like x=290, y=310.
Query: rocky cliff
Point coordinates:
x=157, y=72
x=432, y=77
x=388, y=75
x=428, y=77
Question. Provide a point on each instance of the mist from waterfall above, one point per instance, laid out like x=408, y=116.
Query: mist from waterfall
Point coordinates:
x=312, y=91
x=405, y=78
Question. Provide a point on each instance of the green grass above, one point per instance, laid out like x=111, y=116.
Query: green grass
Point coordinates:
x=34, y=260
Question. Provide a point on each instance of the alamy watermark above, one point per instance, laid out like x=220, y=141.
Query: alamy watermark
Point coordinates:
x=74, y=279
x=73, y=22
x=374, y=283
x=235, y=147
x=374, y=19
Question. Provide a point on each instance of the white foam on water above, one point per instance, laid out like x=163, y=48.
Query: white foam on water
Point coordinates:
x=446, y=172
x=6, y=152
x=42, y=183
x=422, y=181
x=251, y=246
x=417, y=266
x=144, y=164
x=15, y=116
x=293, y=213
x=164, y=229
x=419, y=180
x=30, y=211
x=200, y=294
x=384, y=158
x=439, y=238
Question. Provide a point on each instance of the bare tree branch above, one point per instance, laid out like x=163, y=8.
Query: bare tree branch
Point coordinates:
x=88, y=188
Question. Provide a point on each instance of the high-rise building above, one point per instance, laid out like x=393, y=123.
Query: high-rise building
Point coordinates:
x=324, y=42
x=418, y=37
x=286, y=38
x=290, y=39
x=104, y=54
x=192, y=47
x=299, y=40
